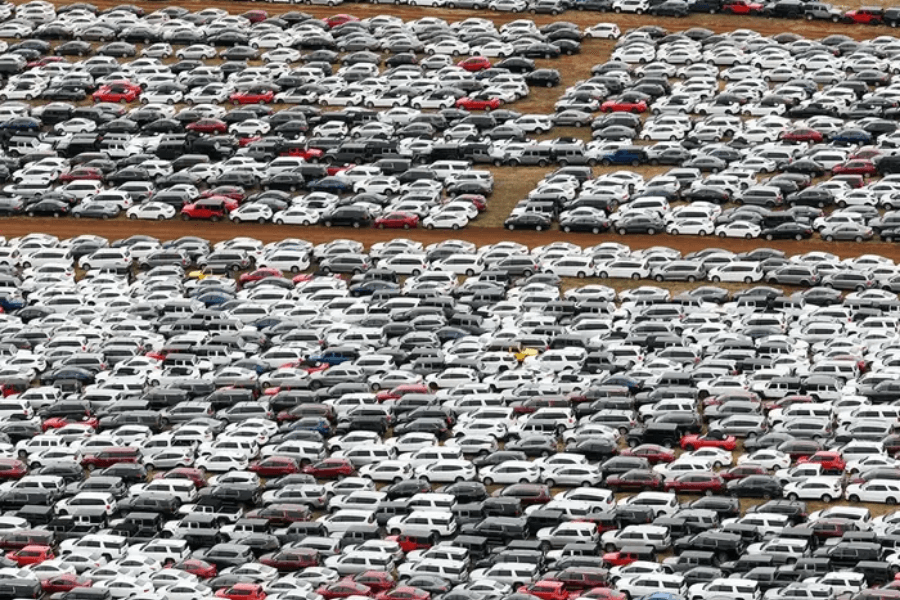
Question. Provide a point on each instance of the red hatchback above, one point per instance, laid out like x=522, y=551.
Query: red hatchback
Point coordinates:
x=697, y=483
x=830, y=461
x=291, y=559
x=404, y=592
x=855, y=167
x=802, y=135
x=197, y=567
x=377, y=581
x=474, y=64
x=243, y=591
x=652, y=452
x=742, y=7
x=714, y=439
x=259, y=275
x=254, y=95
x=486, y=103
x=191, y=474
x=275, y=466
x=397, y=220
x=330, y=468
x=208, y=126
x=81, y=173
x=12, y=468
x=343, y=589
x=64, y=582
x=546, y=590
x=31, y=555
x=117, y=91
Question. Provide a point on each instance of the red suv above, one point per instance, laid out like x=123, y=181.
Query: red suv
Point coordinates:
x=108, y=457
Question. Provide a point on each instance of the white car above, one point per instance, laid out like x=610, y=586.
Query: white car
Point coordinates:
x=701, y=227
x=251, y=212
x=196, y=52
x=638, y=7
x=296, y=216
x=609, y=31
x=154, y=211
x=444, y=220
x=447, y=471
x=825, y=489
x=739, y=229
x=875, y=490
x=510, y=471
x=769, y=458
x=448, y=46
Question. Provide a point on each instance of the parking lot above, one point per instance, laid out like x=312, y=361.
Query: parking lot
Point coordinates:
x=652, y=391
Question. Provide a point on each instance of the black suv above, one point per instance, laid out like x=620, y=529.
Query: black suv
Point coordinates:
x=661, y=434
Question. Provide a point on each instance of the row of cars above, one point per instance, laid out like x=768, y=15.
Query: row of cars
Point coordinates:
x=406, y=166
x=222, y=421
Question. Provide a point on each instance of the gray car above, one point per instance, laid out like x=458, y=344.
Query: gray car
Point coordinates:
x=794, y=275
x=679, y=270
x=743, y=426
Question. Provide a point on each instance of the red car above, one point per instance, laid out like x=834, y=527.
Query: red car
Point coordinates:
x=696, y=483
x=377, y=581
x=307, y=154
x=652, y=452
x=619, y=558
x=343, y=589
x=197, y=567
x=43, y=62
x=80, y=173
x=253, y=95
x=624, y=104
x=603, y=593
x=401, y=390
x=31, y=555
x=864, y=16
x=12, y=468
x=228, y=191
x=281, y=515
x=713, y=439
x=255, y=16
x=404, y=592
x=474, y=64
x=408, y=543
x=118, y=91
x=855, y=167
x=259, y=275
x=59, y=422
x=330, y=468
x=64, y=583
x=830, y=461
x=479, y=201
x=335, y=20
x=742, y=7
x=802, y=134
x=546, y=590
x=479, y=103
x=242, y=591
x=190, y=473
x=635, y=479
x=291, y=559
x=275, y=466
x=397, y=220
x=107, y=457
x=208, y=126
x=212, y=209
x=741, y=471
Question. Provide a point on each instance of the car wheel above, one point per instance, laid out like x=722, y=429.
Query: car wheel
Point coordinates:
x=829, y=238
x=659, y=278
x=793, y=497
x=651, y=231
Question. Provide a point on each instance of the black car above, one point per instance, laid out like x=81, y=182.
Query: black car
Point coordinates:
x=543, y=77
x=533, y=445
x=47, y=207
x=584, y=223
x=640, y=224
x=670, y=8
x=528, y=220
x=787, y=231
x=348, y=216
x=755, y=486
